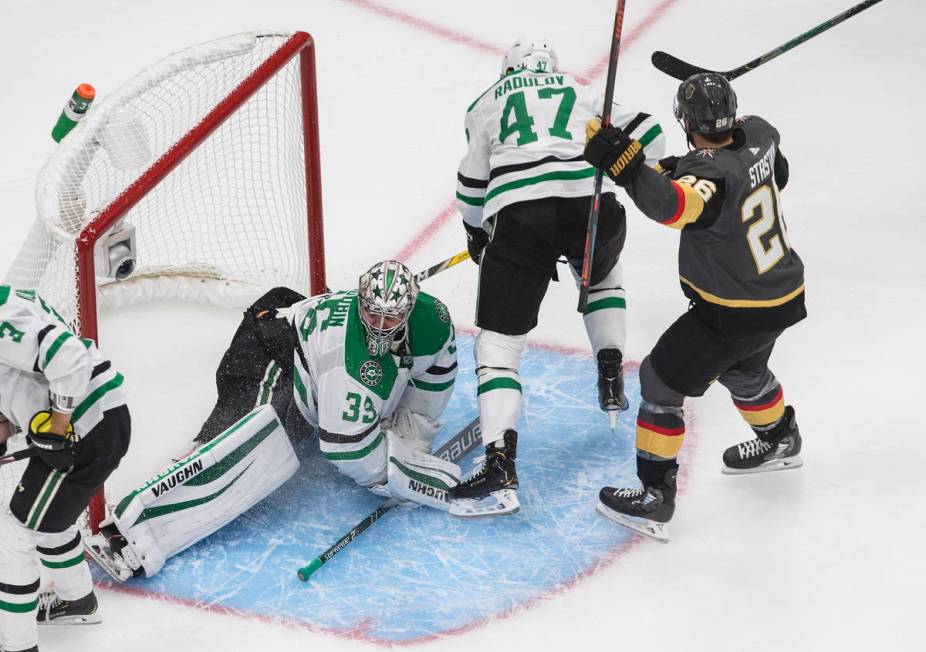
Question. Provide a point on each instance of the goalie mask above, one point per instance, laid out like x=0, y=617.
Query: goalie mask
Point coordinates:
x=534, y=54
x=386, y=297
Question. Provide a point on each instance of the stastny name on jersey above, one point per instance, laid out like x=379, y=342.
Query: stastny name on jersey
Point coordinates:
x=514, y=82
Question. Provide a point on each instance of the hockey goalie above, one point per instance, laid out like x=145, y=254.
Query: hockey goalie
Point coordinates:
x=367, y=371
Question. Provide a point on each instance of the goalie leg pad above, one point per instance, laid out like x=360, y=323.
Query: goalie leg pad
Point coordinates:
x=418, y=477
x=498, y=358
x=200, y=493
x=19, y=583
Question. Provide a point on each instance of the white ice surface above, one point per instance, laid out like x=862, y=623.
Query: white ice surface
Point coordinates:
x=827, y=557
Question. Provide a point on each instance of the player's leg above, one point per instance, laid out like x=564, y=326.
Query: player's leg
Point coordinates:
x=72, y=601
x=514, y=273
x=605, y=315
x=259, y=356
x=684, y=362
x=19, y=584
x=759, y=397
x=48, y=505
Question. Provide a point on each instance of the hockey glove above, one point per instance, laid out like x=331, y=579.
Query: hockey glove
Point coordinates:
x=666, y=166
x=612, y=150
x=476, y=241
x=55, y=449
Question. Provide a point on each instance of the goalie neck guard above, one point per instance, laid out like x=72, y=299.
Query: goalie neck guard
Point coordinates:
x=386, y=297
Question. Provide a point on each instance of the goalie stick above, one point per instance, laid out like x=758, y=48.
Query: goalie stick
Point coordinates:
x=454, y=450
x=681, y=70
x=585, y=279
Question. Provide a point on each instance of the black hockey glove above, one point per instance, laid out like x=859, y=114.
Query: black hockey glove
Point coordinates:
x=613, y=151
x=667, y=166
x=55, y=449
x=476, y=241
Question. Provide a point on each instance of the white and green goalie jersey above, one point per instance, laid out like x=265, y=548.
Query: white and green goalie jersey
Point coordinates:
x=344, y=391
x=39, y=354
x=526, y=135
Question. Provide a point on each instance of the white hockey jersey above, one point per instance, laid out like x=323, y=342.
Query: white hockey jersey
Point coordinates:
x=344, y=391
x=526, y=134
x=39, y=354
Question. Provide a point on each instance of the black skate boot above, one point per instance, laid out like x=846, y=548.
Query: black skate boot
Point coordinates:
x=55, y=611
x=646, y=510
x=492, y=489
x=110, y=550
x=776, y=449
x=611, y=396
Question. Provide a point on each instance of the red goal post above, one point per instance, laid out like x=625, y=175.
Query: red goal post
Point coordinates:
x=197, y=179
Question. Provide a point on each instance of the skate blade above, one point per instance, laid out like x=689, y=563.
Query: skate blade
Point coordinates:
x=105, y=560
x=90, y=619
x=644, y=526
x=783, y=464
x=612, y=418
x=497, y=503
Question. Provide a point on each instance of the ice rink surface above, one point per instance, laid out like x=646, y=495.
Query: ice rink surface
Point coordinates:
x=827, y=557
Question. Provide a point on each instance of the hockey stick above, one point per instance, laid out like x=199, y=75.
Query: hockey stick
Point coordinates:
x=32, y=451
x=441, y=266
x=675, y=67
x=592, y=231
x=455, y=449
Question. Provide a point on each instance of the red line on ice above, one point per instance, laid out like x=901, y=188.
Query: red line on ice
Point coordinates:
x=427, y=26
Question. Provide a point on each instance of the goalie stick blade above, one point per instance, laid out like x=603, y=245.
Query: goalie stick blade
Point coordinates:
x=644, y=526
x=675, y=67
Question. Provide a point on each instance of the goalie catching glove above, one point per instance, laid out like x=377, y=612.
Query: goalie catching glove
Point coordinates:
x=55, y=449
x=610, y=149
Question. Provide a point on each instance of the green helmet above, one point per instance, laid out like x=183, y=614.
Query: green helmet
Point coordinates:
x=386, y=298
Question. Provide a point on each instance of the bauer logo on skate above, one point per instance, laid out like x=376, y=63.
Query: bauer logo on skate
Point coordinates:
x=177, y=478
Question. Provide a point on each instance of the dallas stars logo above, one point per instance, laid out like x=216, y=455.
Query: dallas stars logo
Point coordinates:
x=371, y=373
x=442, y=313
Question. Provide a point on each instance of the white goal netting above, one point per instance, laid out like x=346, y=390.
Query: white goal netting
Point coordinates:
x=226, y=223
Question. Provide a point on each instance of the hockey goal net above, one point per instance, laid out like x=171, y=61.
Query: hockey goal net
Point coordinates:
x=198, y=179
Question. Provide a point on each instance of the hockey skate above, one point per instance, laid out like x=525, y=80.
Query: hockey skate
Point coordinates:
x=109, y=549
x=776, y=449
x=611, y=397
x=492, y=489
x=646, y=510
x=55, y=611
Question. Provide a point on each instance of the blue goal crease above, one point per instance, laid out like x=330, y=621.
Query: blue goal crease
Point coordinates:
x=417, y=573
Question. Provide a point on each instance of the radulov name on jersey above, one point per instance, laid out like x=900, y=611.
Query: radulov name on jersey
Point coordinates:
x=178, y=478
x=515, y=82
x=761, y=169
